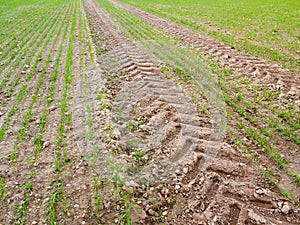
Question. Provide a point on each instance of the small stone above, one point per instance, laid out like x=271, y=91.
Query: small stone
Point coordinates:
x=46, y=144
x=23, y=72
x=81, y=171
x=259, y=191
x=26, y=66
x=285, y=209
x=185, y=170
x=52, y=108
x=244, y=139
x=177, y=186
x=252, y=215
x=76, y=206
x=165, y=213
x=34, y=222
x=152, y=212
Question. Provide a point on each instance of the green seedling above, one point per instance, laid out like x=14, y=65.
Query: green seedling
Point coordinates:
x=134, y=126
x=11, y=156
x=2, y=187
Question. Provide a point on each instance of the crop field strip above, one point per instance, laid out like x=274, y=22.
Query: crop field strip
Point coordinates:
x=16, y=19
x=16, y=61
x=32, y=157
x=261, y=135
x=17, y=55
x=258, y=69
x=122, y=19
x=248, y=26
x=41, y=56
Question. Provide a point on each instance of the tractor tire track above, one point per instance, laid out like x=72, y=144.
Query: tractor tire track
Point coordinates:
x=129, y=61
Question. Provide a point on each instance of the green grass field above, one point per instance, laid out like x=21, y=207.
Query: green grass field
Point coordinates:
x=264, y=28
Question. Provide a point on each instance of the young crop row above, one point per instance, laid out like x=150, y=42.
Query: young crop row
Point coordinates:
x=78, y=59
x=264, y=134
x=37, y=95
x=16, y=58
x=38, y=56
x=16, y=18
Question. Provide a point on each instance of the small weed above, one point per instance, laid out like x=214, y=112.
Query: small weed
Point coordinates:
x=283, y=115
x=241, y=125
x=203, y=109
x=181, y=73
x=139, y=157
x=267, y=94
x=297, y=178
x=193, y=98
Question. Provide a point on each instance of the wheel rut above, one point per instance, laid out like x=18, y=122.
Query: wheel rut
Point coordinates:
x=151, y=115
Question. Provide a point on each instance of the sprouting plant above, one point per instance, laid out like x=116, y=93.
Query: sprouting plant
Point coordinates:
x=11, y=156
x=139, y=157
x=286, y=194
x=239, y=97
x=21, y=208
x=134, y=126
x=2, y=187
x=98, y=197
x=103, y=105
x=100, y=96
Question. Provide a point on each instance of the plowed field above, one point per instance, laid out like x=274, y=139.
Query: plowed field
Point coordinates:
x=113, y=115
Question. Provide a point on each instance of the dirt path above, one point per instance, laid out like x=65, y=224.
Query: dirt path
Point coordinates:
x=144, y=117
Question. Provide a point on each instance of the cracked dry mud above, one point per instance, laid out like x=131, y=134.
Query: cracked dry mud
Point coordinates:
x=170, y=128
